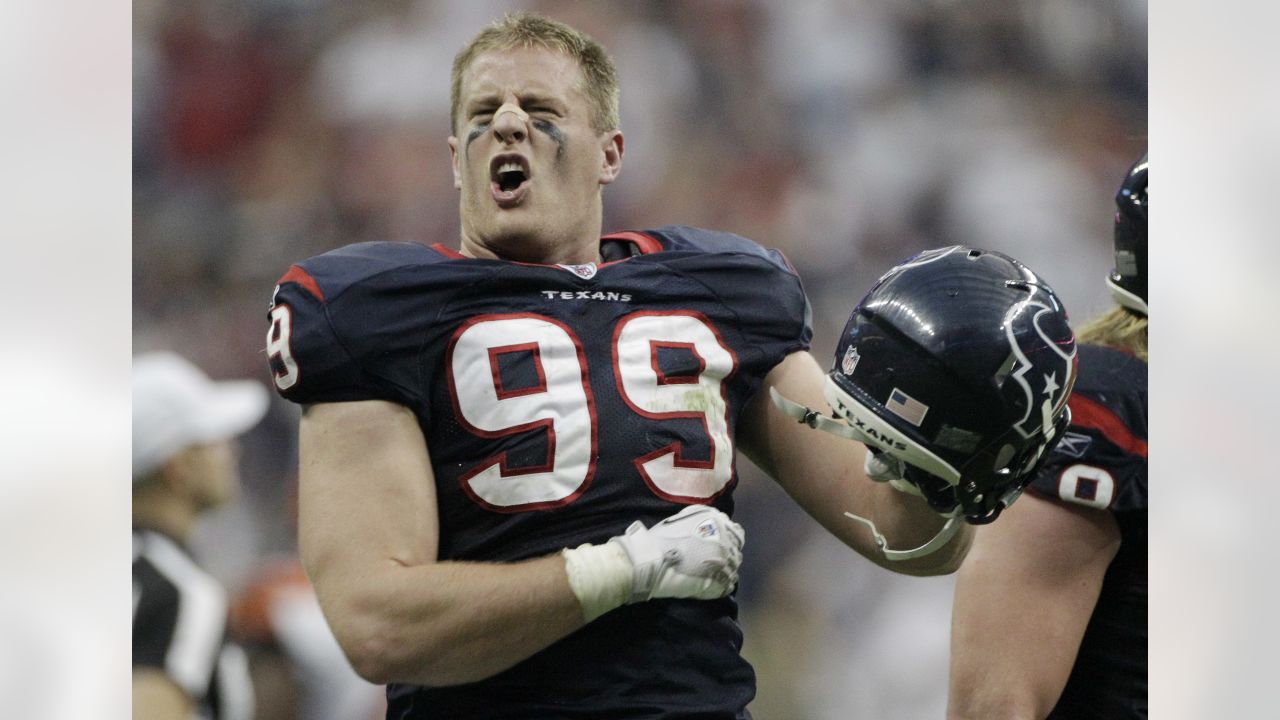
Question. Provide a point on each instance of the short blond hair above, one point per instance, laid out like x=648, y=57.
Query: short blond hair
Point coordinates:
x=524, y=29
x=1119, y=328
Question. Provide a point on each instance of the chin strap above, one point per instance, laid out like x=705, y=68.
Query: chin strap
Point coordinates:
x=812, y=418
x=944, y=535
x=818, y=421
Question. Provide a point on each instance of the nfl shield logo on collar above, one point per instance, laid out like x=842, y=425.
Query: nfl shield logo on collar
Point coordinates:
x=586, y=272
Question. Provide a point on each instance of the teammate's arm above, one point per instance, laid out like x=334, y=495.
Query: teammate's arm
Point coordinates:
x=368, y=536
x=1023, y=600
x=157, y=697
x=824, y=475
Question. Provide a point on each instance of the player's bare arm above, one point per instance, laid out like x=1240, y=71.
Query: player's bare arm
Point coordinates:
x=824, y=474
x=1023, y=600
x=368, y=534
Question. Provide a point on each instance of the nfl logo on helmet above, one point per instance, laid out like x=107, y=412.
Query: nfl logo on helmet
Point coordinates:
x=850, y=360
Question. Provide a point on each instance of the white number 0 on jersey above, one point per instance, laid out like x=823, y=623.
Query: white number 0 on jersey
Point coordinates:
x=563, y=404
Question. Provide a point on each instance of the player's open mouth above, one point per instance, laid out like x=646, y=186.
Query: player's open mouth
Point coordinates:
x=509, y=179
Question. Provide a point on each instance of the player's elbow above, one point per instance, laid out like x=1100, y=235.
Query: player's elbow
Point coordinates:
x=381, y=655
x=374, y=641
x=370, y=664
x=370, y=646
x=380, y=651
x=378, y=663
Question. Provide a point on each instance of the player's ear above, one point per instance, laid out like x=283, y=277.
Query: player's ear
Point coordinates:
x=612, y=156
x=453, y=155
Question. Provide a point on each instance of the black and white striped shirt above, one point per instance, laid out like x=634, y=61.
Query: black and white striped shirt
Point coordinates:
x=179, y=628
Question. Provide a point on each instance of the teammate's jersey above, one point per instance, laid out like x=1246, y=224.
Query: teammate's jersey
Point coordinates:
x=179, y=628
x=1102, y=463
x=559, y=405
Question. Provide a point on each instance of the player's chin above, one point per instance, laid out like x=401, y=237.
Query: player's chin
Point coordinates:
x=520, y=238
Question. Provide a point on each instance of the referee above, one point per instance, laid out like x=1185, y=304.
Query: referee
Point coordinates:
x=184, y=463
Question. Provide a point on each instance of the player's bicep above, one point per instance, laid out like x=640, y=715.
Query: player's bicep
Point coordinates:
x=366, y=492
x=790, y=451
x=1023, y=599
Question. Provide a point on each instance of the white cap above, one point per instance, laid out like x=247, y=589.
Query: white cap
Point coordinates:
x=175, y=406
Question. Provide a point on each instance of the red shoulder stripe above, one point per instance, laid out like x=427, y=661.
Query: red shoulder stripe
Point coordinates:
x=647, y=243
x=448, y=252
x=303, y=278
x=1095, y=416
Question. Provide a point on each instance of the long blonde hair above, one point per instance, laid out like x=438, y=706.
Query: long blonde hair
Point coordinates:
x=1120, y=328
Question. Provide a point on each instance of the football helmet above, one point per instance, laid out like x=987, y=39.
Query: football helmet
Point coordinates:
x=1128, y=280
x=958, y=362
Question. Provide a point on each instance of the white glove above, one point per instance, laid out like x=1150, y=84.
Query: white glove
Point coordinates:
x=692, y=554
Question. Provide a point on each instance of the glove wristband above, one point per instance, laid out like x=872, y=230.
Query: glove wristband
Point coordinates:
x=600, y=576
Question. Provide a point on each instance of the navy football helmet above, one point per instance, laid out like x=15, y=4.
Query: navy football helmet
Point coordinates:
x=958, y=362
x=1128, y=281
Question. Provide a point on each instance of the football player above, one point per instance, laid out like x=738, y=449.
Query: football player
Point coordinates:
x=517, y=458
x=1050, y=614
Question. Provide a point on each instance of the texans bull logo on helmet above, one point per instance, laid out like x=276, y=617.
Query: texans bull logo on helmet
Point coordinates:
x=1045, y=383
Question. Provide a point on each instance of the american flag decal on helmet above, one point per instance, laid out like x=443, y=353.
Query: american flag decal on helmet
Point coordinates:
x=906, y=407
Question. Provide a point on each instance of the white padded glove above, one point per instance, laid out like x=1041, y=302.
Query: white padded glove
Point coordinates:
x=692, y=554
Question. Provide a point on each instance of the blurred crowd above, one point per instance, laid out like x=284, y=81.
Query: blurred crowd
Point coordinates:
x=847, y=133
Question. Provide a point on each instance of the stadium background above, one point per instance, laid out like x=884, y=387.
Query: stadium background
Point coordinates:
x=848, y=134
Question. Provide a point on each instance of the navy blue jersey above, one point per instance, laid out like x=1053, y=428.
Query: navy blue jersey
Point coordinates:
x=559, y=405
x=1102, y=463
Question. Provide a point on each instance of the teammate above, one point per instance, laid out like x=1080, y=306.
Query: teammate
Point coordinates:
x=1050, y=614
x=517, y=458
x=184, y=464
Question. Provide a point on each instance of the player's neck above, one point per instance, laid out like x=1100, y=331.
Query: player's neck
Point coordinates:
x=576, y=251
